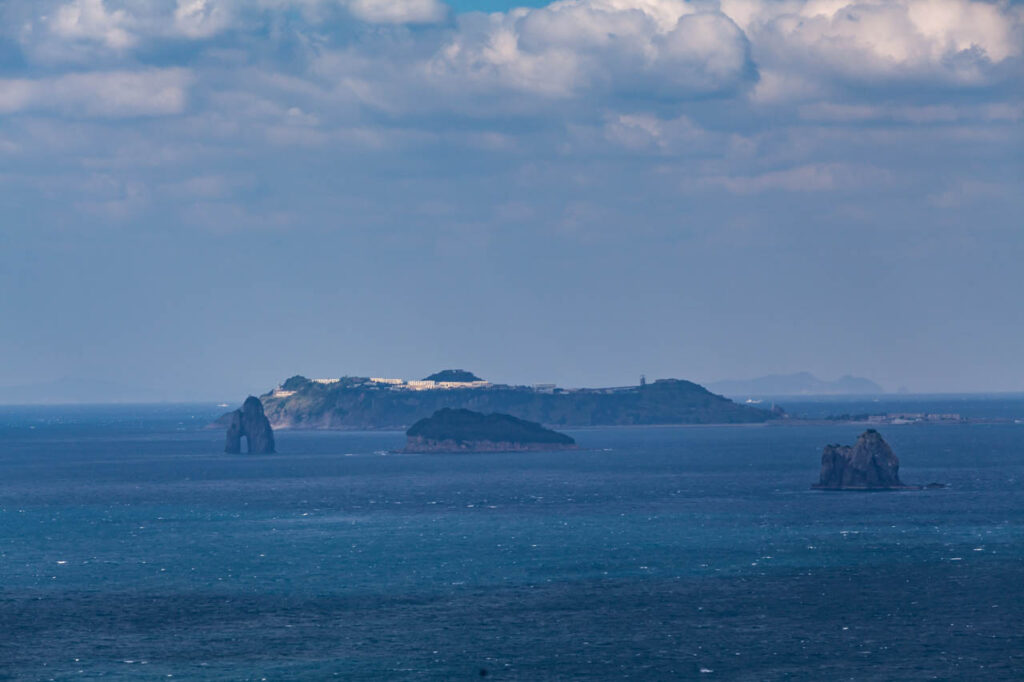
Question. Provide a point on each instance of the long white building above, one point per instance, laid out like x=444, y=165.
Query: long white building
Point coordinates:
x=429, y=385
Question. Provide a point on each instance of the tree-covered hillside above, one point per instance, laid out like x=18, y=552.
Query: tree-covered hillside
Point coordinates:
x=465, y=425
x=453, y=375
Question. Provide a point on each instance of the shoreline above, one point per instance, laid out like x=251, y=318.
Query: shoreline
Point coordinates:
x=769, y=424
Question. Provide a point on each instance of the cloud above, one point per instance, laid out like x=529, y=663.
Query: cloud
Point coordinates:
x=745, y=98
x=967, y=192
x=871, y=43
x=911, y=113
x=79, y=31
x=90, y=20
x=573, y=47
x=643, y=132
x=201, y=18
x=808, y=178
x=398, y=11
x=106, y=94
x=774, y=50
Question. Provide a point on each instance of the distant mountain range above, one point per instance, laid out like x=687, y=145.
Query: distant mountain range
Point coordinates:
x=801, y=383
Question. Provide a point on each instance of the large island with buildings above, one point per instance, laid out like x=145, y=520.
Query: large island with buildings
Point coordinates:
x=391, y=403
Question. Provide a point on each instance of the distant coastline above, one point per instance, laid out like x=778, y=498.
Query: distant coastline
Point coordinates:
x=796, y=384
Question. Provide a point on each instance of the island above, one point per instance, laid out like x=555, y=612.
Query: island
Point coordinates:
x=869, y=464
x=351, y=402
x=252, y=424
x=459, y=430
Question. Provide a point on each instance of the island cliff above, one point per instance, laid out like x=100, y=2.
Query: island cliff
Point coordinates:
x=869, y=465
x=250, y=423
x=467, y=431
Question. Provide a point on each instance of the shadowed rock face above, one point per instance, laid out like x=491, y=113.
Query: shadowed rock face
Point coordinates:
x=467, y=431
x=869, y=465
x=254, y=425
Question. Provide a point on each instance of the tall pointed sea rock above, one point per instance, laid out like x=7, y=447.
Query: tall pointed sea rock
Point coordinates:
x=869, y=465
x=251, y=423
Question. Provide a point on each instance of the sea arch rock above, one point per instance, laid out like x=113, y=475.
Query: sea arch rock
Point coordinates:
x=250, y=423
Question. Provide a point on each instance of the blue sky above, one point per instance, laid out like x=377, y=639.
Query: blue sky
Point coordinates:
x=206, y=196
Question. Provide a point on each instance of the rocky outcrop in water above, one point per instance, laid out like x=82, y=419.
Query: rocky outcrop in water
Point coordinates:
x=467, y=431
x=250, y=423
x=869, y=465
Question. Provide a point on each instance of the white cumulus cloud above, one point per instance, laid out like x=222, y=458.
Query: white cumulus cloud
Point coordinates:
x=953, y=41
x=643, y=47
x=91, y=20
x=201, y=18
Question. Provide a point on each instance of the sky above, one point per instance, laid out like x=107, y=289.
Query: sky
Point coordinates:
x=204, y=197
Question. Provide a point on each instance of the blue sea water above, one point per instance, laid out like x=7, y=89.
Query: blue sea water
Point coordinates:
x=132, y=548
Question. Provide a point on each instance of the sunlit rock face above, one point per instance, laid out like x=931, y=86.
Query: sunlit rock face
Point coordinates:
x=251, y=423
x=869, y=465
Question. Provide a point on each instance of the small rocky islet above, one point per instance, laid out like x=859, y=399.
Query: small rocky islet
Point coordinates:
x=869, y=464
x=460, y=430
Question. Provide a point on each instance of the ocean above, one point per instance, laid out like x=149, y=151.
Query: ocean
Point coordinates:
x=132, y=548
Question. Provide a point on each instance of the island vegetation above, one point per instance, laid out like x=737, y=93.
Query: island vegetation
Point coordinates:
x=453, y=375
x=459, y=430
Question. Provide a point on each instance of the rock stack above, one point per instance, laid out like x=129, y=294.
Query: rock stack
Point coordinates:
x=869, y=465
x=251, y=423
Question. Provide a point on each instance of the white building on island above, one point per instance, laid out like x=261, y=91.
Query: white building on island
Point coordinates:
x=429, y=385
